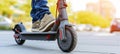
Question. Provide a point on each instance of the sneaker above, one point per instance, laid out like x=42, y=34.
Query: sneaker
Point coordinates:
x=43, y=25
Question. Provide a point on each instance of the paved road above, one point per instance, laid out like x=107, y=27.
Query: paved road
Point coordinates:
x=88, y=43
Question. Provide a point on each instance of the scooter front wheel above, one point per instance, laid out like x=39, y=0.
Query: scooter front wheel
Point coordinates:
x=71, y=39
x=18, y=40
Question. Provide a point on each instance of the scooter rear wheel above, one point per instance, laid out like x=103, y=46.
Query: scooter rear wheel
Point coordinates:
x=71, y=39
x=18, y=40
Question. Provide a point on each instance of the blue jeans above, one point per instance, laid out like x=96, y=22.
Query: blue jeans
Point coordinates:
x=39, y=8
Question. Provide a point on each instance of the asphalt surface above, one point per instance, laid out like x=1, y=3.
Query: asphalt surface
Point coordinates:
x=88, y=43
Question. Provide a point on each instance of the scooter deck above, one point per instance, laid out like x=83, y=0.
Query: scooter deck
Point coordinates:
x=38, y=35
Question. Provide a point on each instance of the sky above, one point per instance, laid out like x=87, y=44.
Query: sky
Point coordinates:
x=81, y=5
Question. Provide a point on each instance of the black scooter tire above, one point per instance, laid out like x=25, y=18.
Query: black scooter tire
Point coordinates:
x=71, y=41
x=18, y=40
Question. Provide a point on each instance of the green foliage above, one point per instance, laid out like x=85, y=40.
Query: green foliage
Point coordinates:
x=87, y=17
x=80, y=17
x=26, y=8
x=5, y=7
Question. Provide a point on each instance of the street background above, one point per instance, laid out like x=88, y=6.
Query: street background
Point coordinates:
x=88, y=43
x=92, y=20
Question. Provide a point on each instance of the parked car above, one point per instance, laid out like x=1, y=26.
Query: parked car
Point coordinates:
x=115, y=25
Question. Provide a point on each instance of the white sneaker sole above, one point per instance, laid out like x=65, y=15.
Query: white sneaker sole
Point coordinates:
x=35, y=30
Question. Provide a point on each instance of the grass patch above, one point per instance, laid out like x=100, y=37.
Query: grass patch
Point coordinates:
x=5, y=28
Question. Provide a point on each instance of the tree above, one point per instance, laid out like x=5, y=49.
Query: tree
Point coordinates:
x=5, y=7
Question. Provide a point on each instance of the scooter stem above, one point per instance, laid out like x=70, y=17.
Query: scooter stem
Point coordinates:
x=63, y=18
x=62, y=14
x=61, y=6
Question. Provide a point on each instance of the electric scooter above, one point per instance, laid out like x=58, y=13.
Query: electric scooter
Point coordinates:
x=61, y=30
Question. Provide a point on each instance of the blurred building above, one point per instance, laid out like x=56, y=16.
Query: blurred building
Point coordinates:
x=103, y=7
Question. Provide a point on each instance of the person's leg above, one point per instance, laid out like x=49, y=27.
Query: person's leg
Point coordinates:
x=41, y=15
x=39, y=8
